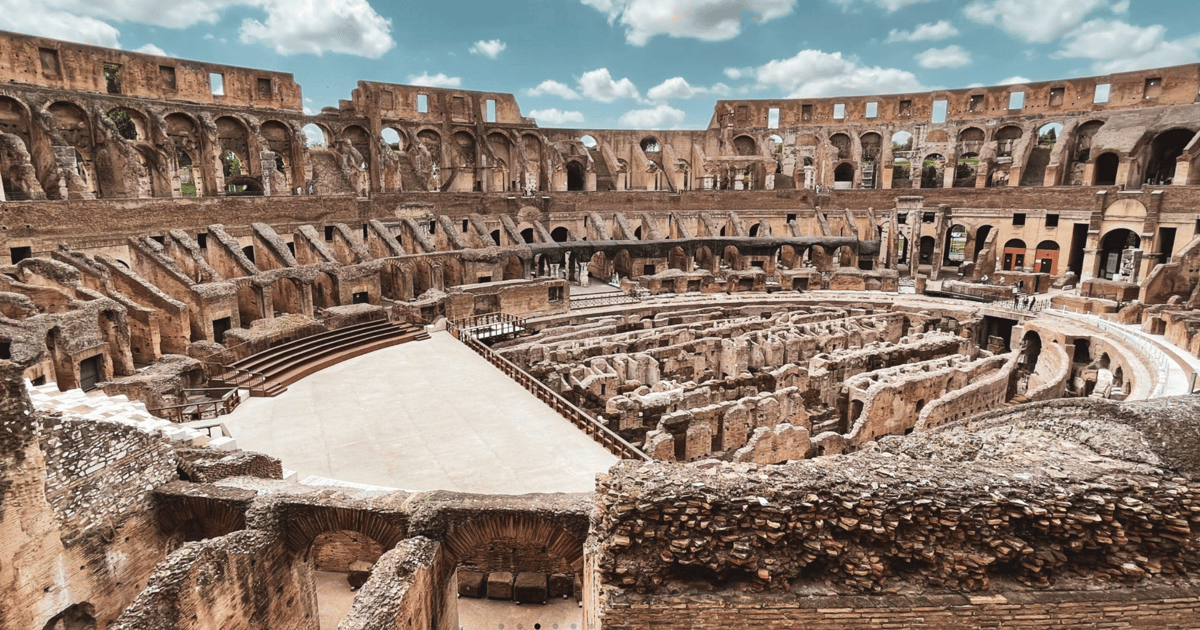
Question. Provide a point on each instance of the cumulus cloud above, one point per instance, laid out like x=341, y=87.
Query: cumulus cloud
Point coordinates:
x=707, y=20
x=1015, y=80
x=953, y=56
x=554, y=116
x=889, y=5
x=288, y=26
x=39, y=19
x=434, y=80
x=490, y=48
x=151, y=49
x=739, y=73
x=1033, y=20
x=315, y=26
x=657, y=117
x=928, y=32
x=678, y=88
x=1115, y=46
x=554, y=88
x=599, y=85
x=675, y=88
x=815, y=73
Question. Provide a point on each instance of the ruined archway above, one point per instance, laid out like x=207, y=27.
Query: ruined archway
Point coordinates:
x=1105, y=173
x=576, y=176
x=1112, y=248
x=1165, y=150
x=933, y=169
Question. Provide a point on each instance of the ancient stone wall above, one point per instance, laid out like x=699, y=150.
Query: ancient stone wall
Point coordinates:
x=412, y=586
x=241, y=581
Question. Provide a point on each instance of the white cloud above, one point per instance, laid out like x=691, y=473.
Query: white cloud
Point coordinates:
x=554, y=116
x=658, y=117
x=952, y=56
x=151, y=49
x=1032, y=20
x=814, y=73
x=210, y=36
x=708, y=20
x=289, y=26
x=554, y=88
x=739, y=73
x=435, y=80
x=929, y=32
x=1121, y=8
x=678, y=88
x=1115, y=46
x=1015, y=80
x=599, y=85
x=39, y=19
x=890, y=5
x=308, y=110
x=675, y=88
x=315, y=26
x=490, y=48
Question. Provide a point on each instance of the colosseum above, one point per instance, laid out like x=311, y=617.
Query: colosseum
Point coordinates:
x=907, y=361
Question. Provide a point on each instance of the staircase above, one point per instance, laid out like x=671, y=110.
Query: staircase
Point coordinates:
x=1035, y=169
x=287, y=363
x=604, y=178
x=409, y=180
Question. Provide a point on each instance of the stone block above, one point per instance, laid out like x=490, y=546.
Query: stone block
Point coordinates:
x=500, y=585
x=472, y=584
x=530, y=588
x=562, y=585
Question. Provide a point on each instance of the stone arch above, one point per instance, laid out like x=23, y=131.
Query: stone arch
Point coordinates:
x=502, y=150
x=394, y=137
x=542, y=546
x=576, y=176
x=678, y=259
x=358, y=138
x=343, y=551
x=514, y=268
x=971, y=140
x=422, y=278
x=192, y=519
x=786, y=257
x=1006, y=140
x=535, y=180
x=75, y=127
x=754, y=229
x=842, y=146
x=965, y=170
x=305, y=523
x=325, y=291
x=933, y=169
x=623, y=264
x=1080, y=152
x=80, y=616
x=560, y=234
x=843, y=175
x=705, y=259
x=954, y=250
x=1014, y=255
x=1049, y=134
x=1165, y=150
x=649, y=144
x=277, y=138
x=131, y=124
x=1105, y=170
x=744, y=146
x=732, y=257
x=1112, y=244
x=527, y=236
x=937, y=136
x=317, y=135
x=926, y=250
x=286, y=297
x=598, y=266
x=589, y=141
x=981, y=235
x=1045, y=258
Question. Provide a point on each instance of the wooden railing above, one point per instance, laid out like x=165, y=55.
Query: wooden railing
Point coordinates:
x=580, y=418
x=201, y=410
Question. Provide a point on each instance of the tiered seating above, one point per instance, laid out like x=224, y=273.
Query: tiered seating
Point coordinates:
x=287, y=363
x=96, y=405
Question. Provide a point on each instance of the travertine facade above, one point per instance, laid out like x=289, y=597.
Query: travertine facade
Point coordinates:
x=834, y=450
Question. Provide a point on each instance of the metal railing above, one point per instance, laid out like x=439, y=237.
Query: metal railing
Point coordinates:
x=203, y=409
x=602, y=299
x=604, y=436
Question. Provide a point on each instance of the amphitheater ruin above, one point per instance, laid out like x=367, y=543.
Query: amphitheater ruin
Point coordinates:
x=921, y=360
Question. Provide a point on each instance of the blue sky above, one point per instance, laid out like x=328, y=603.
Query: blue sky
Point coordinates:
x=639, y=63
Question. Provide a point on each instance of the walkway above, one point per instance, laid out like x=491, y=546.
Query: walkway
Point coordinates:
x=421, y=416
x=1174, y=367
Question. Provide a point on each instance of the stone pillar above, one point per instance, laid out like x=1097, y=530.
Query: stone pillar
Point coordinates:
x=939, y=242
